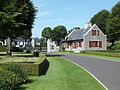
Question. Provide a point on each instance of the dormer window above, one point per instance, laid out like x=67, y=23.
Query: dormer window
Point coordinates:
x=95, y=32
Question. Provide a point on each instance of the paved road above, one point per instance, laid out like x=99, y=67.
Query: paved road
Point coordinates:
x=108, y=72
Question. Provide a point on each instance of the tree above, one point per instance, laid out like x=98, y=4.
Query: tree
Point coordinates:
x=46, y=33
x=72, y=30
x=59, y=33
x=100, y=19
x=16, y=17
x=113, y=24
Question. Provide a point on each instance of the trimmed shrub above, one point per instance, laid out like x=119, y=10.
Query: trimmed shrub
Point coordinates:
x=103, y=53
x=19, y=71
x=8, y=80
x=3, y=48
x=32, y=52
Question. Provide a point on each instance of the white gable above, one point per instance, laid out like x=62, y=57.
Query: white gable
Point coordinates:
x=94, y=27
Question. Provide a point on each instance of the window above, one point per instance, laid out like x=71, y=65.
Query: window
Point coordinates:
x=100, y=44
x=95, y=32
x=90, y=44
x=79, y=44
x=74, y=45
x=95, y=44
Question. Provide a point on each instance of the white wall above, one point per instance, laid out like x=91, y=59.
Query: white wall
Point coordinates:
x=88, y=37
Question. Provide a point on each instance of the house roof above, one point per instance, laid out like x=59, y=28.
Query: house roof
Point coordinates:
x=19, y=39
x=77, y=34
x=37, y=40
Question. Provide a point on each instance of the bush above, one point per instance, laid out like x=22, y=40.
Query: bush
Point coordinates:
x=62, y=48
x=3, y=48
x=116, y=46
x=11, y=76
x=19, y=71
x=8, y=80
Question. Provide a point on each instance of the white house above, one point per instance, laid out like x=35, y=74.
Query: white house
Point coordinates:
x=52, y=46
x=88, y=38
x=35, y=42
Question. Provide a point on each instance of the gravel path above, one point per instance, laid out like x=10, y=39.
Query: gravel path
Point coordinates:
x=107, y=72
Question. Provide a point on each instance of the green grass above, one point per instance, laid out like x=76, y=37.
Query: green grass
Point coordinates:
x=18, y=57
x=94, y=55
x=63, y=75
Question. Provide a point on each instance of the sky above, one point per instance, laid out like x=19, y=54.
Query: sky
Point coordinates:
x=70, y=13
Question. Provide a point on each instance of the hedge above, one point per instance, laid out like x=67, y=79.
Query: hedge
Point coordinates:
x=11, y=76
x=35, y=69
x=103, y=53
x=3, y=48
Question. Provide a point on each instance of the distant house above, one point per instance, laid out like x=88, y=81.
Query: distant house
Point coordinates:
x=52, y=46
x=19, y=42
x=88, y=38
x=35, y=41
x=31, y=43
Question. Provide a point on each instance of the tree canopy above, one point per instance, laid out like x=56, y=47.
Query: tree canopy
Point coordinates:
x=113, y=24
x=59, y=33
x=47, y=33
x=16, y=18
x=100, y=19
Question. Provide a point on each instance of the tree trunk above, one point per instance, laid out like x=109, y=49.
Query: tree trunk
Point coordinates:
x=113, y=43
x=9, y=53
x=58, y=43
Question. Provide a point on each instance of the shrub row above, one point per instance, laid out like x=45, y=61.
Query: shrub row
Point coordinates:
x=2, y=48
x=11, y=76
x=39, y=67
x=103, y=53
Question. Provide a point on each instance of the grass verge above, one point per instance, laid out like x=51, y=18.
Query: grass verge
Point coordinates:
x=63, y=75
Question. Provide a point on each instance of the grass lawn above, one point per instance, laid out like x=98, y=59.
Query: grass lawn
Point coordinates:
x=93, y=55
x=63, y=75
x=18, y=57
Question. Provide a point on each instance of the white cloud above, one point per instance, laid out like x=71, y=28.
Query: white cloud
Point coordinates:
x=53, y=20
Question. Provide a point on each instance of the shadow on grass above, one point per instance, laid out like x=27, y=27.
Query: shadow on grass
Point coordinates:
x=23, y=87
x=27, y=62
x=53, y=55
x=24, y=56
x=3, y=54
x=44, y=66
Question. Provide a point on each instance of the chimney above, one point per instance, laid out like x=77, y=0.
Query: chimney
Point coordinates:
x=88, y=25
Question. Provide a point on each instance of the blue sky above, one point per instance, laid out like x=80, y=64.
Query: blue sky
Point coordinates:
x=70, y=13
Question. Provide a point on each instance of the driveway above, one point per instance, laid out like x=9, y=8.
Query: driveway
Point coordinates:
x=107, y=72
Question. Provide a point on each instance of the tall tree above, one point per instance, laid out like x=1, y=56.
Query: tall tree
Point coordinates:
x=59, y=33
x=46, y=33
x=16, y=17
x=100, y=19
x=113, y=24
